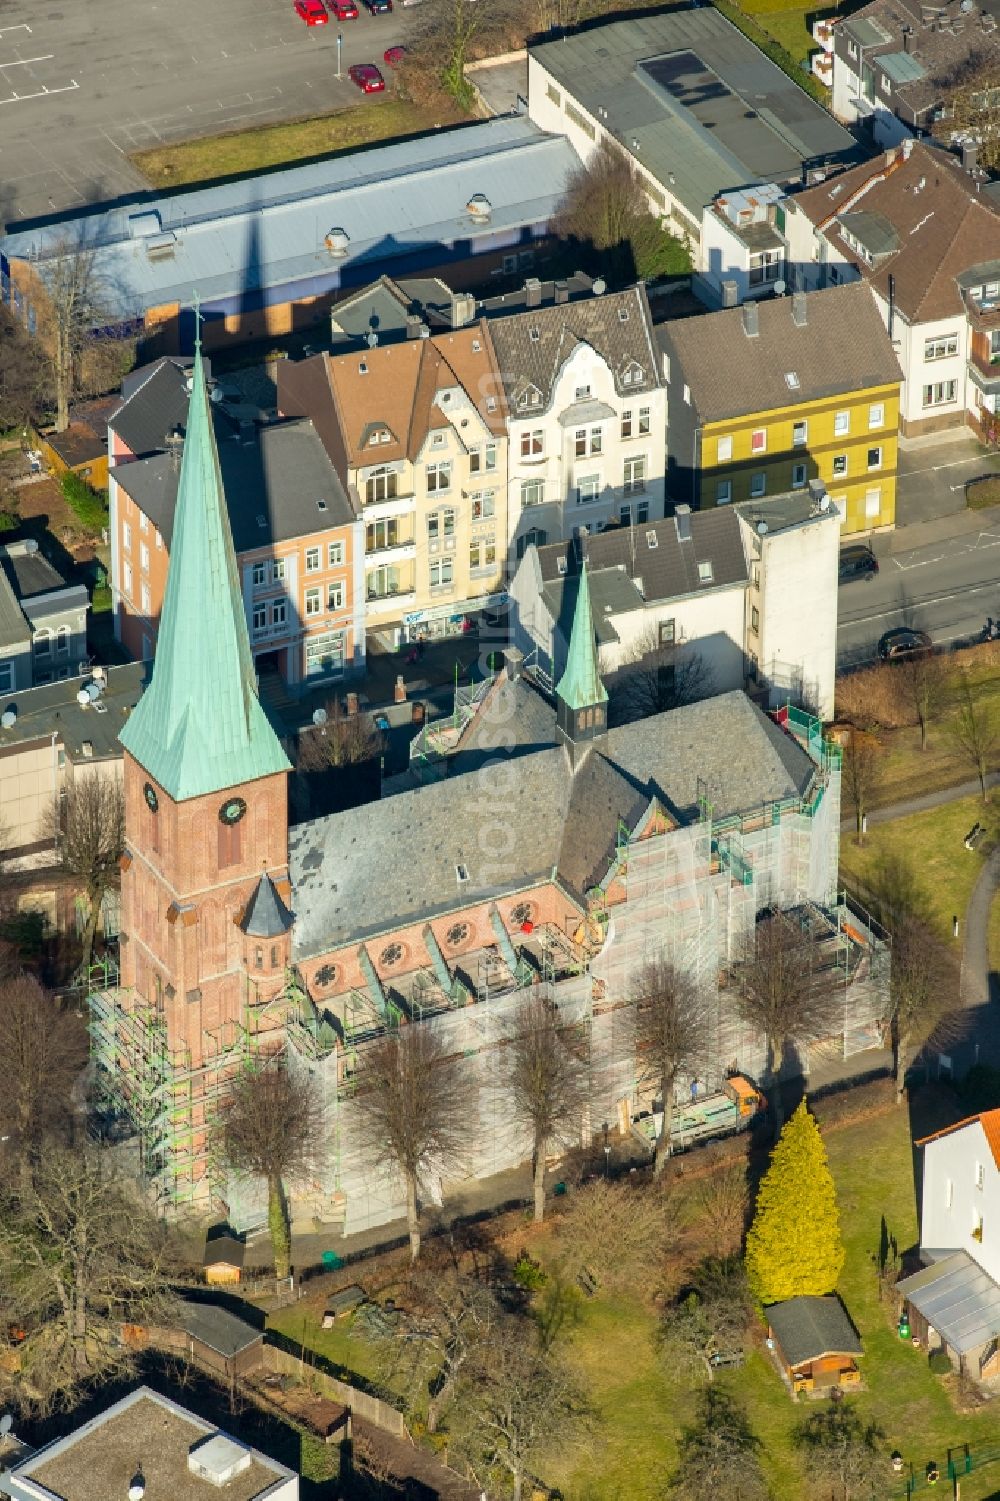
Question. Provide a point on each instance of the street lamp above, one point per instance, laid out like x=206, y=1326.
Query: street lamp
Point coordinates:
x=340, y=44
x=607, y=1151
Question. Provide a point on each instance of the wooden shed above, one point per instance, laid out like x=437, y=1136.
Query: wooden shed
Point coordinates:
x=815, y=1343
x=222, y=1263
x=219, y=1341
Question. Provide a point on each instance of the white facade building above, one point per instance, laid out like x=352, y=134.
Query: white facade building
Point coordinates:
x=586, y=417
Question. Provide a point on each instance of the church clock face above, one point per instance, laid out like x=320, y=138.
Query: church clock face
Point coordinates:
x=232, y=811
x=152, y=801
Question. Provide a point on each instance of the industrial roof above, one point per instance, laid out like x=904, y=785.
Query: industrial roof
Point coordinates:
x=807, y=1328
x=841, y=346
x=53, y=709
x=274, y=478
x=957, y=1298
x=699, y=106
x=562, y=824
x=269, y=231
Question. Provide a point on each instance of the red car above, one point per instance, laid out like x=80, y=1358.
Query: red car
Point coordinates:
x=313, y=12
x=394, y=56
x=367, y=77
x=343, y=10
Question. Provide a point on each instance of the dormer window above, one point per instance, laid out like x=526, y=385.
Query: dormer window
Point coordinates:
x=477, y=347
x=633, y=374
x=380, y=435
x=534, y=334
x=623, y=315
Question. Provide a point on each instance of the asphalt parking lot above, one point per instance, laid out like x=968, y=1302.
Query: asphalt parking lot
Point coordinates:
x=83, y=84
x=933, y=476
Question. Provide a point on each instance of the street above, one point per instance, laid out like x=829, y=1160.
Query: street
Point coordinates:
x=82, y=87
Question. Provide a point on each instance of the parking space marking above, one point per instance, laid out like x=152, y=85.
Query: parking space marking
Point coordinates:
x=25, y=62
x=42, y=93
x=23, y=26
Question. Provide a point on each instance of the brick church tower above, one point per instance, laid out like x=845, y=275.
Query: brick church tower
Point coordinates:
x=206, y=923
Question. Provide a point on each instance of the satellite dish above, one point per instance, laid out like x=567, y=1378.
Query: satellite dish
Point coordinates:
x=762, y=528
x=6, y=1424
x=779, y=289
x=320, y=717
x=372, y=339
x=8, y=719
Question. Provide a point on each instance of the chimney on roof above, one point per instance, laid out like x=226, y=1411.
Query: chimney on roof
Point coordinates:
x=414, y=323
x=909, y=39
x=682, y=521
x=463, y=309
x=751, y=319
x=800, y=314
x=532, y=292
x=970, y=151
x=514, y=662
x=561, y=292
x=907, y=148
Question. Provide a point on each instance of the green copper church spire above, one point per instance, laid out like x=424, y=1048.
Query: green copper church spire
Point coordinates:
x=199, y=726
x=580, y=686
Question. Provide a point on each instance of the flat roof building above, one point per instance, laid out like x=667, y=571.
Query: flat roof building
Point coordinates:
x=147, y=1440
x=696, y=106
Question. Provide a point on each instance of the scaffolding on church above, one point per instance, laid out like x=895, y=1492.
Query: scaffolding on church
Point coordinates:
x=690, y=891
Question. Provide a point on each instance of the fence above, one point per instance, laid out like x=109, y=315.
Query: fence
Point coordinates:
x=362, y=1404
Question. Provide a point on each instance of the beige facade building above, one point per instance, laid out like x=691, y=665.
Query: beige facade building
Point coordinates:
x=417, y=433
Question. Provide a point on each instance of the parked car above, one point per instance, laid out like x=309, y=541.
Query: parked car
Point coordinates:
x=857, y=562
x=378, y=7
x=343, y=10
x=904, y=642
x=367, y=77
x=313, y=12
x=393, y=56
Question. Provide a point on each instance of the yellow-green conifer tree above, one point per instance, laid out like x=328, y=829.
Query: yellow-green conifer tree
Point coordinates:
x=794, y=1245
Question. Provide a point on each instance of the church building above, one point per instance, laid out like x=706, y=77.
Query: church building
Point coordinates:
x=557, y=856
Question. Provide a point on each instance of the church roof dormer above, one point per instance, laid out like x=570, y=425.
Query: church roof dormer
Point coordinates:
x=199, y=726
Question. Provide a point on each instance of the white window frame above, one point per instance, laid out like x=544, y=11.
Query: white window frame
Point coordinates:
x=533, y=443
x=876, y=414
x=840, y=459
x=258, y=574
x=335, y=596
x=314, y=557
x=591, y=483
x=258, y=619
x=941, y=347
x=335, y=555
x=873, y=502
x=723, y=492
x=279, y=613
x=940, y=393
x=724, y=449
x=532, y=492
x=634, y=475
x=313, y=602
x=758, y=484
x=841, y=424
x=438, y=477
x=800, y=433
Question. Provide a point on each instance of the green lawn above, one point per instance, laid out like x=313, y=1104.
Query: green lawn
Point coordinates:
x=302, y=1323
x=934, y=843
x=247, y=151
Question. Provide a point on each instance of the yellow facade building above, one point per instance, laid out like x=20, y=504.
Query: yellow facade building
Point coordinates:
x=765, y=397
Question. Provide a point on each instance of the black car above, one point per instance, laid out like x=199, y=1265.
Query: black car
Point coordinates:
x=904, y=642
x=378, y=7
x=856, y=563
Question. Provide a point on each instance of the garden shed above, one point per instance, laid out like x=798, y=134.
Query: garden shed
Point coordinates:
x=222, y=1263
x=815, y=1344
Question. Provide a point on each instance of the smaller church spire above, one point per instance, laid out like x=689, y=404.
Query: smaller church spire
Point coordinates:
x=581, y=697
x=580, y=685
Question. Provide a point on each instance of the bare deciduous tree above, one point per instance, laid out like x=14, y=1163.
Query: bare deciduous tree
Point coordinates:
x=720, y=1202
x=844, y=1452
x=925, y=686
x=270, y=1128
x=80, y=1255
x=606, y=216
x=615, y=1233
x=784, y=991
x=44, y=1048
x=976, y=731
x=655, y=677
x=864, y=774
x=24, y=377
x=89, y=834
x=513, y=1401
x=417, y=1100
x=344, y=740
x=74, y=304
x=670, y=1035
x=719, y=1454
x=712, y=1315
x=972, y=106
x=923, y=982
x=548, y=1083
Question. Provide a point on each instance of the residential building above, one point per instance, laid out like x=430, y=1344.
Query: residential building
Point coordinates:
x=749, y=591
x=269, y=254
x=679, y=828
x=917, y=229
x=895, y=62
x=586, y=414
x=744, y=252
x=953, y=1303
x=765, y=397
x=417, y=434
x=298, y=541
x=49, y=738
x=693, y=105
x=147, y=1443
x=43, y=620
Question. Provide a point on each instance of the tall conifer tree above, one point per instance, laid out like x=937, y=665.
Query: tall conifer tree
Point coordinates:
x=794, y=1245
